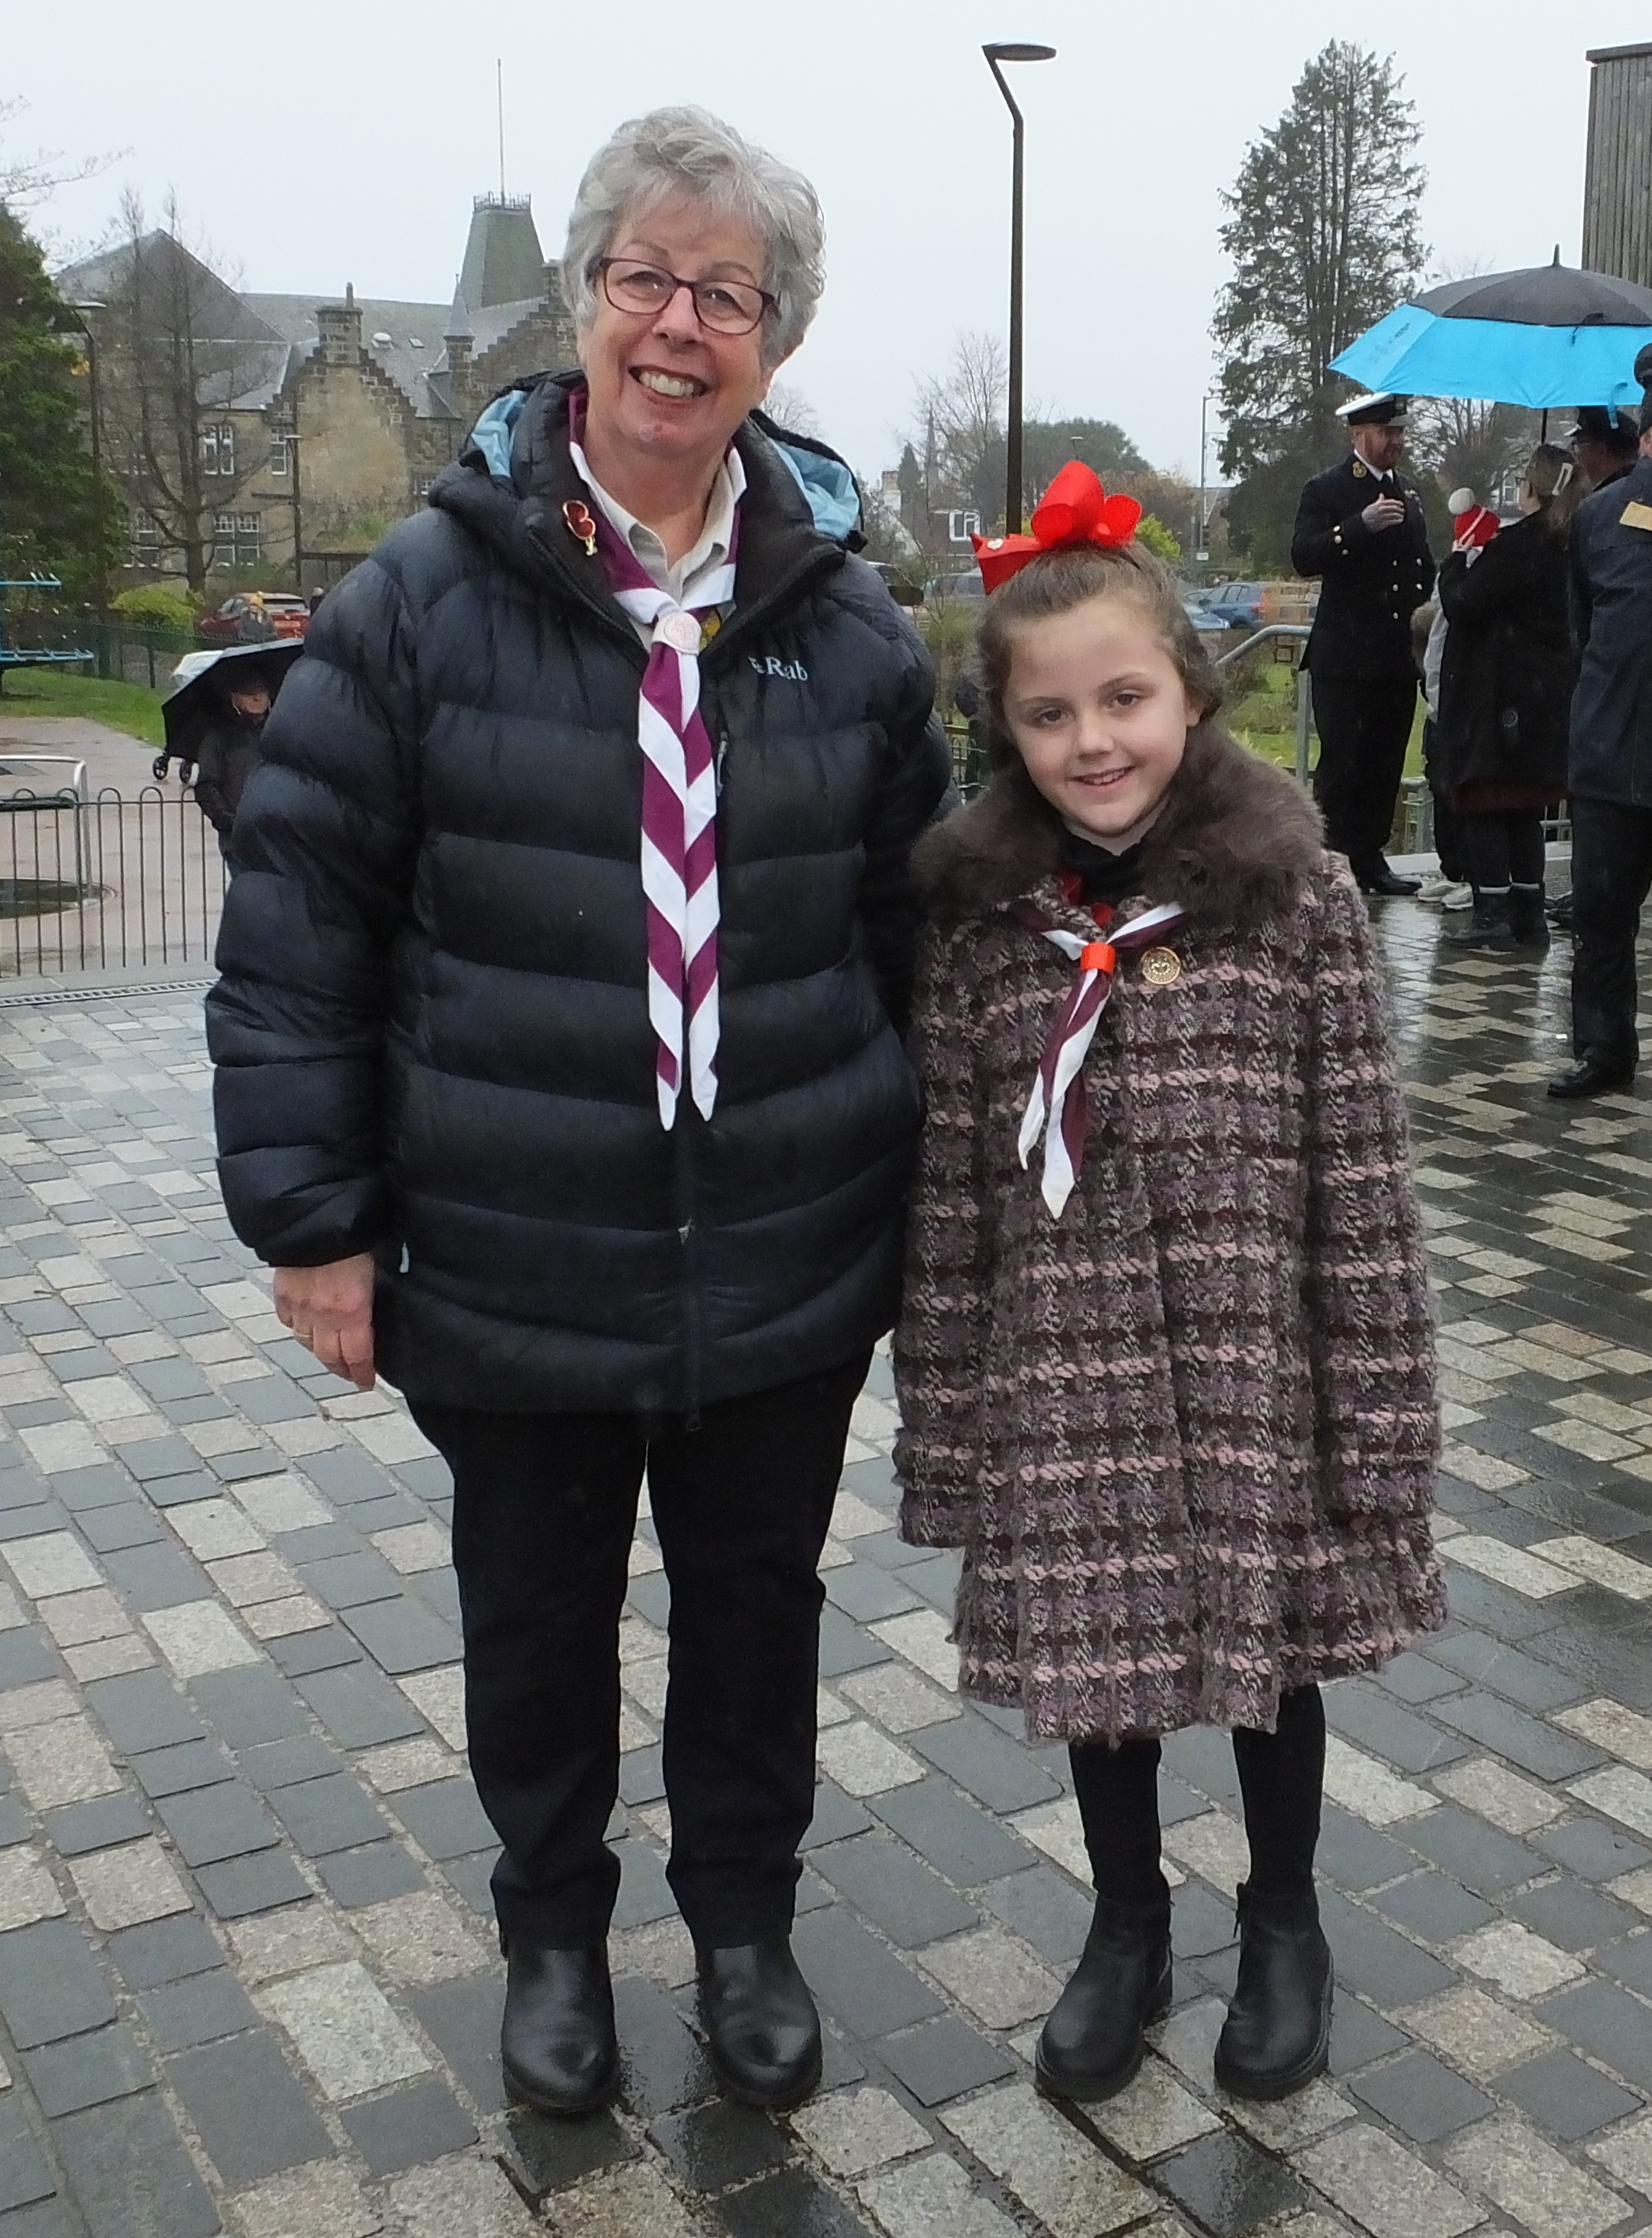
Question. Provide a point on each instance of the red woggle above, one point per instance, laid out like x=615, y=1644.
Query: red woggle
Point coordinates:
x=1074, y=510
x=1097, y=956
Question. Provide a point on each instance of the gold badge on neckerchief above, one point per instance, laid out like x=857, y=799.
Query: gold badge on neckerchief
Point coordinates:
x=1056, y=1108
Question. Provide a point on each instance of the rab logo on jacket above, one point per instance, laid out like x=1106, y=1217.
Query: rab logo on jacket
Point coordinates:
x=772, y=665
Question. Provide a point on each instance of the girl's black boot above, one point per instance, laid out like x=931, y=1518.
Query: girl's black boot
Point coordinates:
x=1277, y=2036
x=1092, y=2043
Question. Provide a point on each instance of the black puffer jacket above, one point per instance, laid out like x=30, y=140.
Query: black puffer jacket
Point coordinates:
x=430, y=1028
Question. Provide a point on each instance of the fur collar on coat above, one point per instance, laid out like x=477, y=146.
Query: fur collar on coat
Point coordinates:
x=1236, y=844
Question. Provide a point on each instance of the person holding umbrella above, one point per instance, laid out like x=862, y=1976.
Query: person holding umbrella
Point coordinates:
x=213, y=724
x=1360, y=528
x=1610, y=765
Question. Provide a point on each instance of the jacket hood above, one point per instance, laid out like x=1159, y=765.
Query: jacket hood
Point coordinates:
x=509, y=483
x=1236, y=844
x=826, y=481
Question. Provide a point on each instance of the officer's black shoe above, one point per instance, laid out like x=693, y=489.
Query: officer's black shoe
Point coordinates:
x=1092, y=2043
x=1277, y=2036
x=760, y=2025
x=556, y=2042
x=1590, y=1076
x=1383, y=881
x=1558, y=910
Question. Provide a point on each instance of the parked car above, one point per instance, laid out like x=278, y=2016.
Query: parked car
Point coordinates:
x=1196, y=607
x=255, y=618
x=962, y=586
x=1237, y=605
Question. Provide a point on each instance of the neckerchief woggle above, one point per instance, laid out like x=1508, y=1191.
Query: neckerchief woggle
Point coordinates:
x=679, y=809
x=1056, y=1108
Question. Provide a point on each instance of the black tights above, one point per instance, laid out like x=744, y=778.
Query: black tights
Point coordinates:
x=1503, y=847
x=1281, y=1778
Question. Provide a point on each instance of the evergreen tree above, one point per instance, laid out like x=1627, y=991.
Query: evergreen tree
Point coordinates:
x=51, y=519
x=1323, y=235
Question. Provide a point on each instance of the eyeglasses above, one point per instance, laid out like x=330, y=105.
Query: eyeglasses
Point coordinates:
x=722, y=307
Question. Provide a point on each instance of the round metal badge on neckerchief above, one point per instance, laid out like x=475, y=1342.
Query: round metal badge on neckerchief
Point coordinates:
x=1160, y=967
x=681, y=631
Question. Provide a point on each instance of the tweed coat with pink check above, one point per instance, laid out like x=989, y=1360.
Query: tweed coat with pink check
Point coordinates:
x=1186, y=1435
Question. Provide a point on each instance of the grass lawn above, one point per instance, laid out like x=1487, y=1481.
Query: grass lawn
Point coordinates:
x=126, y=708
x=1262, y=711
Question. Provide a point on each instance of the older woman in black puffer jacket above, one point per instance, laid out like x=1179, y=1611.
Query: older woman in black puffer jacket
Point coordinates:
x=560, y=1071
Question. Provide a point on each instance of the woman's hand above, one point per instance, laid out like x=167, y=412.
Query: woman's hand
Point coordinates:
x=330, y=1309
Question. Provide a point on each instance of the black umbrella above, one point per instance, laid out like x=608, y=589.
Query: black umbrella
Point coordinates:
x=202, y=697
x=1548, y=296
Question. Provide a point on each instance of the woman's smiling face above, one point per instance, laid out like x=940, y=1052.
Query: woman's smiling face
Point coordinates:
x=1099, y=714
x=660, y=383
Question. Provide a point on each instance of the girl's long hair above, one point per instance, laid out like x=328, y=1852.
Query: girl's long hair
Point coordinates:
x=1556, y=483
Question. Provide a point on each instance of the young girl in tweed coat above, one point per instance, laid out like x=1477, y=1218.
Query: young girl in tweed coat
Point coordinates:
x=1165, y=1357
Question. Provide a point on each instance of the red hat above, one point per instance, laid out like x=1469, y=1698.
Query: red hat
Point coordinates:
x=1073, y=510
x=1470, y=520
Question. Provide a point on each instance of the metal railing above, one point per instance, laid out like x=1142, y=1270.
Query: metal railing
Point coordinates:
x=106, y=883
x=1273, y=633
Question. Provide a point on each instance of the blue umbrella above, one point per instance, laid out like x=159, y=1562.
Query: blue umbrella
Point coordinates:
x=1547, y=338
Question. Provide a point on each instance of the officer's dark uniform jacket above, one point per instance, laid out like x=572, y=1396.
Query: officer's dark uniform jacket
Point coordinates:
x=1373, y=581
x=430, y=1028
x=1611, y=597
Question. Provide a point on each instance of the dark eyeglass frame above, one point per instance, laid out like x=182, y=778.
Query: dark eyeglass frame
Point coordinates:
x=769, y=306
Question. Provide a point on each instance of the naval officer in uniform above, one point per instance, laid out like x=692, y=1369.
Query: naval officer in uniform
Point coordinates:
x=1360, y=528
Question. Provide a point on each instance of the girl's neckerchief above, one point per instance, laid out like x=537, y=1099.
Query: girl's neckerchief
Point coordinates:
x=679, y=811
x=1056, y=1108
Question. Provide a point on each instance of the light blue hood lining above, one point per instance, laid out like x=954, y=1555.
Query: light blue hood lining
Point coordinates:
x=826, y=483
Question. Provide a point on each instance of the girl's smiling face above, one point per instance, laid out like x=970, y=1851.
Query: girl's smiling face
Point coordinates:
x=1099, y=714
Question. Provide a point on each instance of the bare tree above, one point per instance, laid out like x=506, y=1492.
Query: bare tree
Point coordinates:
x=179, y=349
x=792, y=410
x=1470, y=446
x=958, y=428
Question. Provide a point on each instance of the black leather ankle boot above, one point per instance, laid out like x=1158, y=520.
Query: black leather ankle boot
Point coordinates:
x=760, y=2025
x=556, y=2042
x=1092, y=2043
x=1277, y=2036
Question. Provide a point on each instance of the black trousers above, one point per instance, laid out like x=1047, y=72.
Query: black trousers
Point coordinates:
x=1282, y=1775
x=1504, y=846
x=1611, y=874
x=544, y=1506
x=1364, y=727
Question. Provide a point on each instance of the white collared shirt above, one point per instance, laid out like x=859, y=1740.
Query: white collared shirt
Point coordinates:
x=709, y=552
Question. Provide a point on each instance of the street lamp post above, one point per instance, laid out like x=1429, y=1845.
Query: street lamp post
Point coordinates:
x=99, y=584
x=1016, y=51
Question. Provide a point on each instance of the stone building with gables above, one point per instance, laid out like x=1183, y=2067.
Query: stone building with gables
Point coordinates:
x=318, y=423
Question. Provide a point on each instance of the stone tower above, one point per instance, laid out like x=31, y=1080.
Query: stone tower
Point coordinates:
x=504, y=262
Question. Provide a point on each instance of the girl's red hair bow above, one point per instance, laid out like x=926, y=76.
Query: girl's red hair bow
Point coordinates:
x=1075, y=509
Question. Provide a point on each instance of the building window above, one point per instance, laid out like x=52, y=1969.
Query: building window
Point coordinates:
x=421, y=486
x=961, y=526
x=280, y=456
x=218, y=448
x=144, y=531
x=237, y=540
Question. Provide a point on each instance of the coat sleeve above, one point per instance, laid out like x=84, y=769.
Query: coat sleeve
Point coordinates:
x=210, y=772
x=916, y=787
x=1479, y=593
x=1366, y=1297
x=940, y=1337
x=297, y=1022
x=1325, y=542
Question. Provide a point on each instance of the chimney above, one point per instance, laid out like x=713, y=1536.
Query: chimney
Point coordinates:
x=460, y=338
x=339, y=325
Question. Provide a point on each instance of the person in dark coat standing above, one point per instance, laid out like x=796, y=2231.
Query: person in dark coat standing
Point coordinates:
x=1605, y=444
x=560, y=1061
x=1610, y=767
x=1360, y=528
x=1506, y=677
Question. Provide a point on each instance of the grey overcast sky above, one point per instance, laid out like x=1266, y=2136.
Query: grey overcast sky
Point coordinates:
x=309, y=145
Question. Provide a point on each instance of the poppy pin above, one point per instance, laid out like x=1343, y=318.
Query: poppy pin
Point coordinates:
x=580, y=525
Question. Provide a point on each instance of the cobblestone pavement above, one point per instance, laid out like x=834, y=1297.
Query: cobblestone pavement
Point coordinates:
x=245, y=1975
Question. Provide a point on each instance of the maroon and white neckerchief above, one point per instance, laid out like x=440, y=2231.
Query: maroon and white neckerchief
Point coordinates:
x=679, y=810
x=1056, y=1108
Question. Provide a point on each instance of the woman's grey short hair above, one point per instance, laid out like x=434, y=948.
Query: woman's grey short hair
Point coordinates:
x=688, y=151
